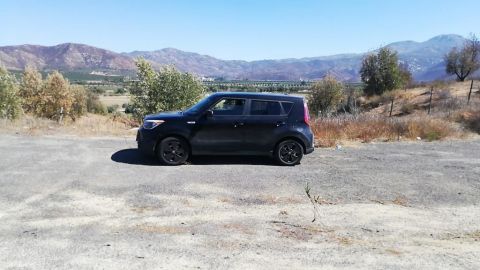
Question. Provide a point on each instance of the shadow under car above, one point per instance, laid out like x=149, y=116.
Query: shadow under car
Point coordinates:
x=135, y=157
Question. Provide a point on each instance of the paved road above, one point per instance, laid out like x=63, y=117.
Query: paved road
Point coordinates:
x=90, y=203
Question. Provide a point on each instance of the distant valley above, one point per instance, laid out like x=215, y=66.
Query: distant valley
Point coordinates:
x=425, y=60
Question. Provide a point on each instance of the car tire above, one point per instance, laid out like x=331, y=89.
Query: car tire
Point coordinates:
x=173, y=151
x=288, y=153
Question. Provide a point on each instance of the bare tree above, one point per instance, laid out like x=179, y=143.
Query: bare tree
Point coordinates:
x=464, y=62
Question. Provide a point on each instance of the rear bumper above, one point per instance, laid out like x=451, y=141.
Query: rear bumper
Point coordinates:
x=309, y=150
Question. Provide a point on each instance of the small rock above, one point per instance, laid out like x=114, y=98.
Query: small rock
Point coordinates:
x=419, y=139
x=338, y=147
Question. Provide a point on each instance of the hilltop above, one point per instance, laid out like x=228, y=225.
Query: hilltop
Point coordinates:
x=425, y=60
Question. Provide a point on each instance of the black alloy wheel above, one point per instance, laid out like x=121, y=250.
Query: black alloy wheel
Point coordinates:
x=173, y=151
x=289, y=153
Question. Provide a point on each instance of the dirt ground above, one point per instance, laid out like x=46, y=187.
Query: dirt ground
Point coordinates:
x=95, y=203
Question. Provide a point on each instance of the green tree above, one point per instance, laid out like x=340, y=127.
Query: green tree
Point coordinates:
x=325, y=96
x=30, y=89
x=166, y=90
x=10, y=103
x=465, y=61
x=381, y=72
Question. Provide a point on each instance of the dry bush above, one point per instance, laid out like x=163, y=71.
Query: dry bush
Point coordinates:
x=407, y=108
x=87, y=125
x=94, y=105
x=79, y=106
x=330, y=131
x=427, y=128
x=470, y=118
x=55, y=98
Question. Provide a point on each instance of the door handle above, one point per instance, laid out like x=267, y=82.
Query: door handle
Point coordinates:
x=280, y=123
x=238, y=124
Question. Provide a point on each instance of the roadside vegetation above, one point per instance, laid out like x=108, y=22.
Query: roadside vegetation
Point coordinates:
x=164, y=90
x=388, y=105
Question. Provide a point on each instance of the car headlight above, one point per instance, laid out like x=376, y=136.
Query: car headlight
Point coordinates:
x=151, y=124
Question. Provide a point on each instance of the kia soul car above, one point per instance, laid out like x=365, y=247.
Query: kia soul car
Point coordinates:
x=231, y=124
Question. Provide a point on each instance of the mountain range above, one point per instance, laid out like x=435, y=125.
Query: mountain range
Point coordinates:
x=424, y=59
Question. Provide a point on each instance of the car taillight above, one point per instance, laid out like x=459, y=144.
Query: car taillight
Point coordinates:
x=306, y=115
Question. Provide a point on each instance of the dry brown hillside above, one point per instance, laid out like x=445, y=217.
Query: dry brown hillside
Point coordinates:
x=446, y=97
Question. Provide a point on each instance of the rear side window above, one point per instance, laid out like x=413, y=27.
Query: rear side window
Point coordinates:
x=287, y=107
x=229, y=106
x=259, y=107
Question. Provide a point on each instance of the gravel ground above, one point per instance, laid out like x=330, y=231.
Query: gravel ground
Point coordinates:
x=94, y=203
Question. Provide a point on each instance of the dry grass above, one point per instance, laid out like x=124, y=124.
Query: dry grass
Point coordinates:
x=88, y=125
x=114, y=100
x=330, y=131
x=470, y=118
x=401, y=200
x=162, y=229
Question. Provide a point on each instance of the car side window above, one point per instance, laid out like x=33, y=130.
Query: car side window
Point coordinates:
x=259, y=107
x=287, y=107
x=229, y=106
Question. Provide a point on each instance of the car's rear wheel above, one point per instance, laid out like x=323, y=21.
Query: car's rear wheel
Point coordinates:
x=173, y=151
x=288, y=153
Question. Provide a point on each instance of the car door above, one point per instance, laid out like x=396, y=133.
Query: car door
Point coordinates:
x=221, y=130
x=264, y=121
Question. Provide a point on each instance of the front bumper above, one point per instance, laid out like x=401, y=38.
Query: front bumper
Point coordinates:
x=145, y=144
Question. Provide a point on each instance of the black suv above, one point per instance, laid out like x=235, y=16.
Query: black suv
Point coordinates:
x=231, y=124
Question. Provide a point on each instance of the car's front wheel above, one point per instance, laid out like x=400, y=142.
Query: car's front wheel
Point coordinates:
x=288, y=152
x=173, y=151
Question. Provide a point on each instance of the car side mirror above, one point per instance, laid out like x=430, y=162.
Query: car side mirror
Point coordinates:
x=209, y=113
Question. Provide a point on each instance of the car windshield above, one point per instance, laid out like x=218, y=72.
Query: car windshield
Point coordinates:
x=201, y=105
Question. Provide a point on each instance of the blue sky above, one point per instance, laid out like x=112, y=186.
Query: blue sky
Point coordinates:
x=235, y=29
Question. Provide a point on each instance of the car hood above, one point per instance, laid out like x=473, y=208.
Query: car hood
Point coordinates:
x=164, y=115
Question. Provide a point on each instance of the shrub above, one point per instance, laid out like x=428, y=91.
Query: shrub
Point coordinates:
x=166, y=90
x=56, y=98
x=94, y=105
x=128, y=108
x=428, y=128
x=79, y=106
x=470, y=119
x=325, y=96
x=407, y=108
x=31, y=90
x=97, y=90
x=112, y=108
x=10, y=103
x=120, y=91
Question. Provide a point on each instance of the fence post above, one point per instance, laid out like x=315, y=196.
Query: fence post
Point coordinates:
x=430, y=102
x=61, y=115
x=470, y=93
x=391, y=107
